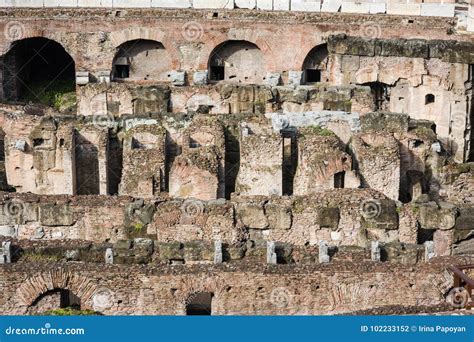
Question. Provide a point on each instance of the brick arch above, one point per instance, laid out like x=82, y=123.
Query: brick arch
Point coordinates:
x=35, y=33
x=190, y=286
x=250, y=36
x=35, y=286
x=118, y=38
x=305, y=49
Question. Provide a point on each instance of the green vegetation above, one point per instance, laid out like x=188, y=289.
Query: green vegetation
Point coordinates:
x=69, y=312
x=32, y=256
x=316, y=130
x=138, y=226
x=60, y=94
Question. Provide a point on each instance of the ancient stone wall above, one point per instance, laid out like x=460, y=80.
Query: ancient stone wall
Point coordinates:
x=252, y=162
x=253, y=290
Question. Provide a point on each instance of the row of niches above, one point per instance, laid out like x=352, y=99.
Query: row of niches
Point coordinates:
x=31, y=76
x=424, y=79
x=210, y=157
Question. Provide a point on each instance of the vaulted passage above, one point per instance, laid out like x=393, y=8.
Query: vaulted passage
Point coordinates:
x=237, y=61
x=38, y=70
x=199, y=304
x=141, y=59
x=55, y=299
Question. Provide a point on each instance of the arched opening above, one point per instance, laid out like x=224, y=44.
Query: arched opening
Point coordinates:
x=381, y=95
x=237, y=61
x=315, y=64
x=141, y=59
x=429, y=98
x=199, y=304
x=39, y=70
x=55, y=299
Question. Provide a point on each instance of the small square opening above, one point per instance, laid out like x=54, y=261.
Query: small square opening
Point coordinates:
x=313, y=75
x=217, y=73
x=122, y=71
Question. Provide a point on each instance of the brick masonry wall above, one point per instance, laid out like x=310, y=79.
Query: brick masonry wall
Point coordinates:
x=436, y=8
x=190, y=36
x=246, y=289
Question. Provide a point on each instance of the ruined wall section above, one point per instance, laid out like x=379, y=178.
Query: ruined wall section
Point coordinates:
x=417, y=77
x=237, y=290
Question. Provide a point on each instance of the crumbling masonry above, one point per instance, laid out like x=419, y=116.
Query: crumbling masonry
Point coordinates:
x=233, y=161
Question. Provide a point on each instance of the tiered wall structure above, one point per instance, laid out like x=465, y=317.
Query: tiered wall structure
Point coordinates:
x=224, y=159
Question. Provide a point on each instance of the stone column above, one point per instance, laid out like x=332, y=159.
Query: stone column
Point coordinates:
x=375, y=251
x=5, y=253
x=429, y=250
x=271, y=255
x=323, y=252
x=109, y=256
x=218, y=257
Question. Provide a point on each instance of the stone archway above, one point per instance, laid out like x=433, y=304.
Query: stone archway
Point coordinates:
x=237, y=61
x=190, y=287
x=36, y=69
x=39, y=284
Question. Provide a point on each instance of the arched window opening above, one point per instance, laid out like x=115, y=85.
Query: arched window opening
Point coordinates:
x=141, y=59
x=39, y=70
x=200, y=304
x=315, y=64
x=237, y=61
x=429, y=98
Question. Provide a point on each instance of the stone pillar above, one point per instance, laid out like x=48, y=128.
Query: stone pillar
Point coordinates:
x=5, y=253
x=295, y=78
x=82, y=77
x=218, y=257
x=109, y=256
x=443, y=241
x=429, y=250
x=103, y=76
x=200, y=77
x=375, y=251
x=271, y=254
x=273, y=79
x=323, y=252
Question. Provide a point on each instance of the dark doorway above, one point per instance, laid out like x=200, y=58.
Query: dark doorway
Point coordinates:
x=314, y=63
x=200, y=304
x=339, y=180
x=87, y=167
